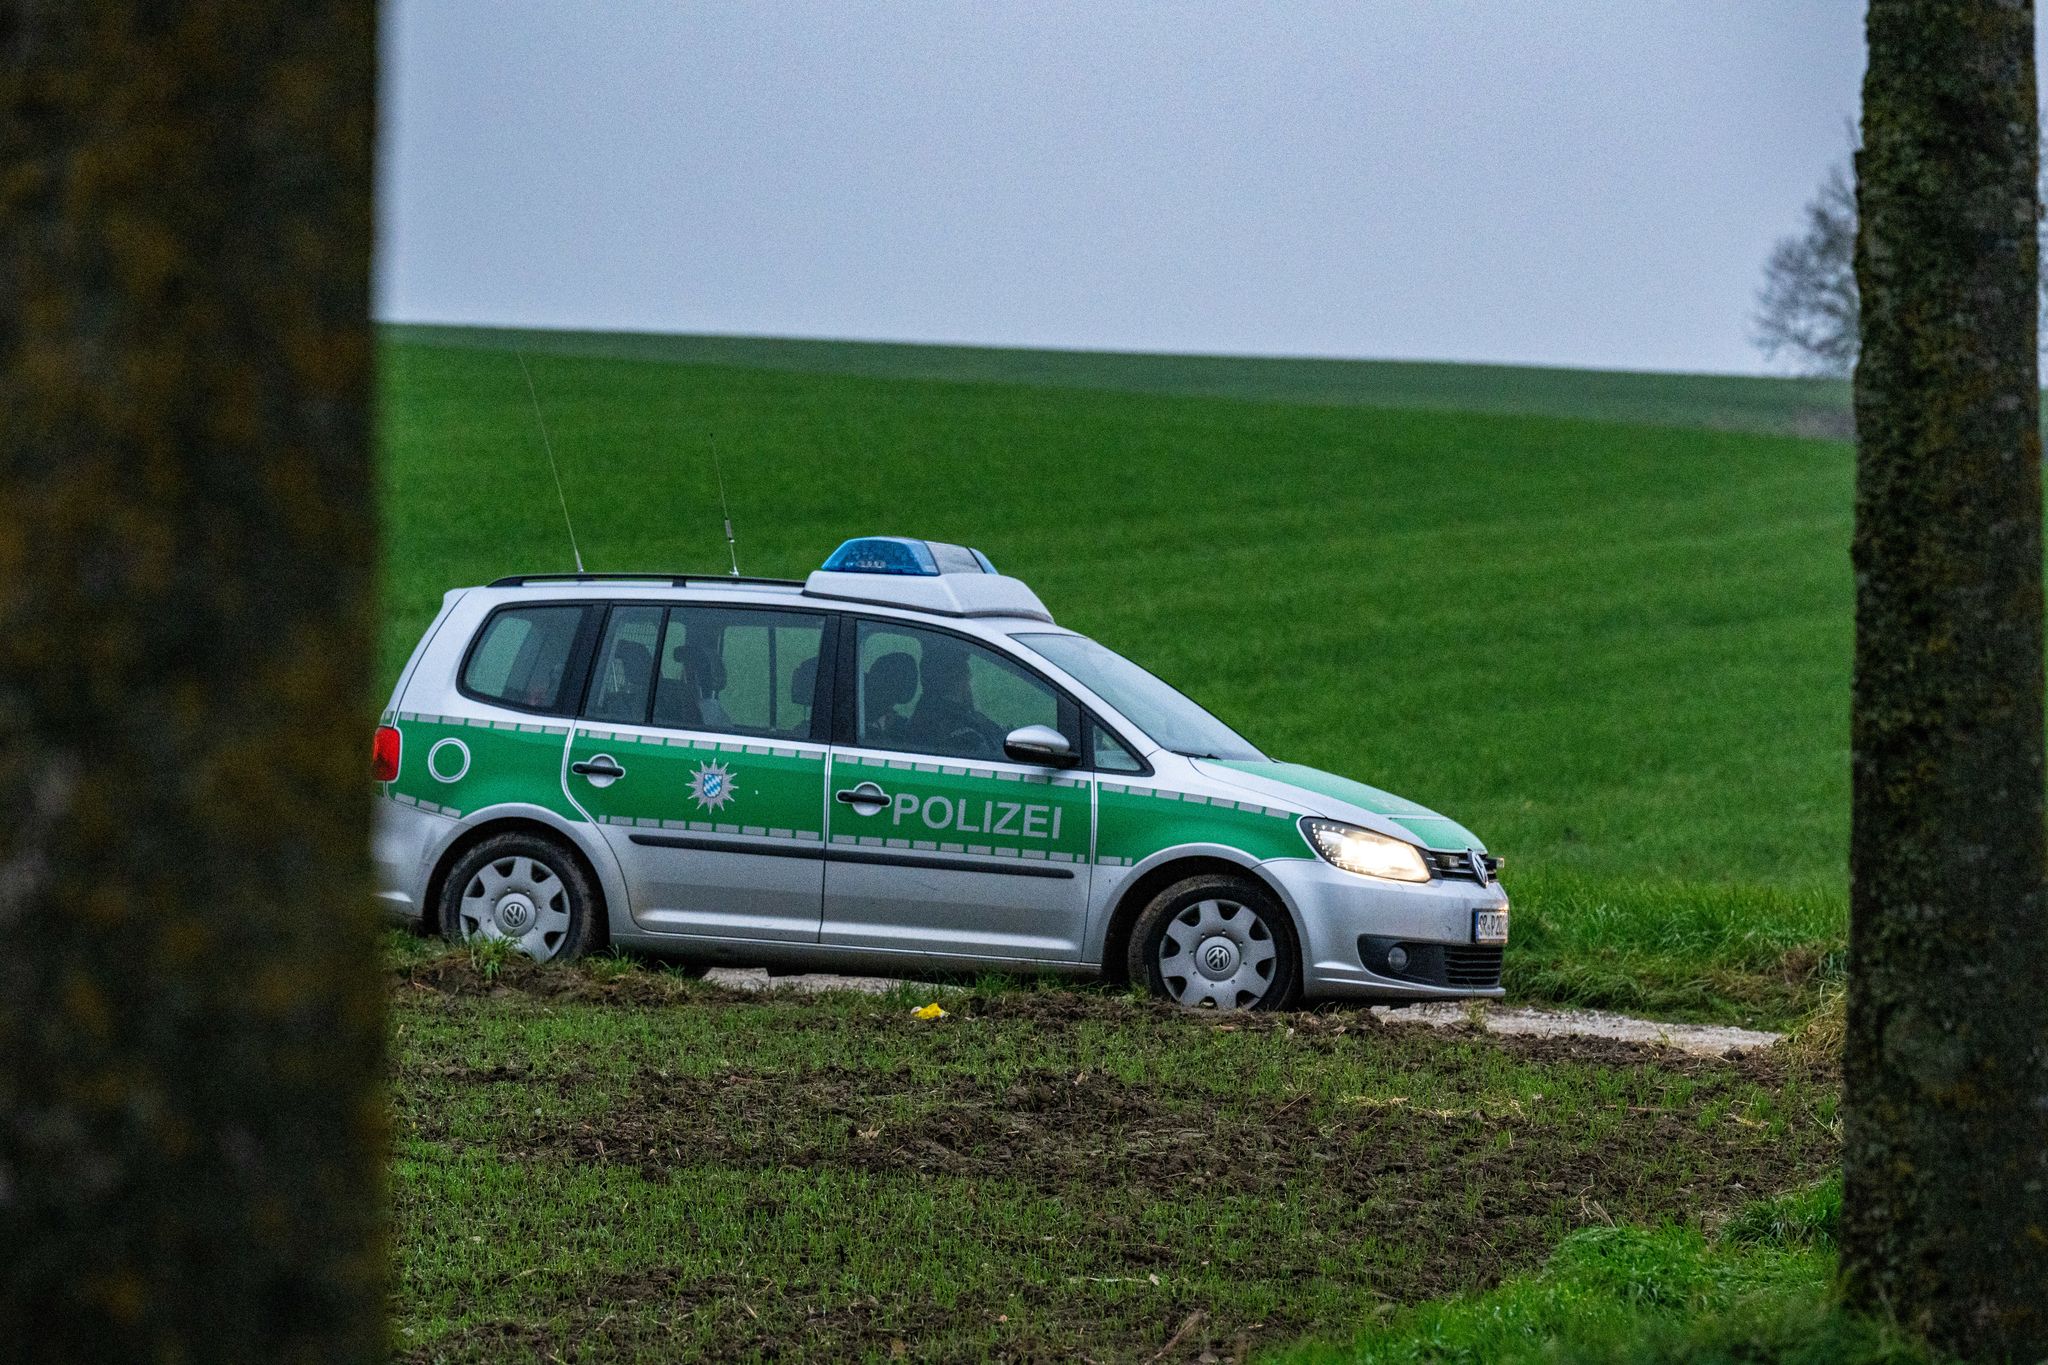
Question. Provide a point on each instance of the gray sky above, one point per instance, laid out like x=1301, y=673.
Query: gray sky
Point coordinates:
x=1588, y=182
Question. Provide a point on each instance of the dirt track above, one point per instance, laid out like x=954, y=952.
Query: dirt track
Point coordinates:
x=1702, y=1039
x=728, y=1169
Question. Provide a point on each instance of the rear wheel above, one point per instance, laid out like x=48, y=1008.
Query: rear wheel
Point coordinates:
x=523, y=890
x=1217, y=942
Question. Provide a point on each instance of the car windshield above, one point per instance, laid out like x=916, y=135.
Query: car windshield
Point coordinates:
x=1172, y=721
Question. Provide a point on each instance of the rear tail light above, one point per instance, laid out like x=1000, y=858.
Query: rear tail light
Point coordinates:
x=384, y=755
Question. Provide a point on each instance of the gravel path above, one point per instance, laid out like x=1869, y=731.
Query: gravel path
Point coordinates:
x=810, y=983
x=1708, y=1039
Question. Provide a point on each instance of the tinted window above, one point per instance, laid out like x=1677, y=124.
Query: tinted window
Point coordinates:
x=623, y=684
x=931, y=693
x=523, y=655
x=1169, y=718
x=739, y=672
x=1110, y=754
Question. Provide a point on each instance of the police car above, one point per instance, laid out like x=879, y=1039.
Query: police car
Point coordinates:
x=900, y=763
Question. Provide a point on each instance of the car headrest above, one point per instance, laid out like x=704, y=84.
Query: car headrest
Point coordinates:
x=892, y=680
x=635, y=661
x=803, y=682
x=704, y=669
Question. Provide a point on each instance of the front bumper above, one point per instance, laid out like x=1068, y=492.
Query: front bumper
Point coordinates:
x=1347, y=920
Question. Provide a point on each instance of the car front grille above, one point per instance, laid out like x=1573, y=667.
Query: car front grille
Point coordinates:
x=1472, y=965
x=1455, y=864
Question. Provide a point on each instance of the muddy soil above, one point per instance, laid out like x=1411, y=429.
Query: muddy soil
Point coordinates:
x=1480, y=1178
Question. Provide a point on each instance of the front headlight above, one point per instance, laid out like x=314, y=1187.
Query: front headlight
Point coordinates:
x=1367, y=854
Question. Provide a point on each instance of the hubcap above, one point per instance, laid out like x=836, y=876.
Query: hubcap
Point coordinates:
x=514, y=915
x=519, y=901
x=1217, y=954
x=1218, y=958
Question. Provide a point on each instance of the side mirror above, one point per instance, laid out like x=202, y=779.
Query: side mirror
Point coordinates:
x=1040, y=744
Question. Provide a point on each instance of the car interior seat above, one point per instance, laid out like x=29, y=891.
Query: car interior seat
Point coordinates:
x=675, y=695
x=704, y=678
x=705, y=670
x=626, y=680
x=803, y=683
x=891, y=681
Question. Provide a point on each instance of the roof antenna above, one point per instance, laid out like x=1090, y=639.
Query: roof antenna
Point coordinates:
x=549, y=446
x=731, y=548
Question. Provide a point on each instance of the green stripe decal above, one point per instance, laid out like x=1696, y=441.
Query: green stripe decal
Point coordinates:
x=695, y=784
x=954, y=808
x=1134, y=822
x=453, y=765
x=1436, y=831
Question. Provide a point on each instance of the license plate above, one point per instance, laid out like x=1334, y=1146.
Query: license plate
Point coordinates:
x=1489, y=926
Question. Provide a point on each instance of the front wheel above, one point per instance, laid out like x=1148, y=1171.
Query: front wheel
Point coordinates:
x=1217, y=942
x=522, y=890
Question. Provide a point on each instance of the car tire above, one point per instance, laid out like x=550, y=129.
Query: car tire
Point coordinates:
x=526, y=890
x=1217, y=942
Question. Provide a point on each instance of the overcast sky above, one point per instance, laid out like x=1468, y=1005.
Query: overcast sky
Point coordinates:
x=1587, y=182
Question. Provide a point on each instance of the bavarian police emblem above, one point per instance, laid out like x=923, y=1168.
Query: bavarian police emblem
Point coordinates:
x=711, y=785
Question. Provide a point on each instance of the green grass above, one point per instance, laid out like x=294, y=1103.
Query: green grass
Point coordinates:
x=1618, y=652
x=1604, y=620
x=613, y=1163
x=1692, y=949
x=1760, y=1290
x=1801, y=407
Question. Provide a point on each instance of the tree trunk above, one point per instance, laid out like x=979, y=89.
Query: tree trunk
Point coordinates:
x=190, y=1007
x=1946, y=1113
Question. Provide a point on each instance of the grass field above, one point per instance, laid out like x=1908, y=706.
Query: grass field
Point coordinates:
x=1756, y=1288
x=1786, y=407
x=1605, y=620
x=610, y=1163
x=1618, y=651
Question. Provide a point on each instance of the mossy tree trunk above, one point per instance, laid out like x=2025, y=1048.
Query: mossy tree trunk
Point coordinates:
x=1946, y=1112
x=190, y=1009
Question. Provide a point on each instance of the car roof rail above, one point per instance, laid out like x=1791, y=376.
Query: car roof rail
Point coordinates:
x=673, y=580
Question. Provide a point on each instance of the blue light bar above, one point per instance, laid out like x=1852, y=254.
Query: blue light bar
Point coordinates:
x=901, y=555
x=883, y=554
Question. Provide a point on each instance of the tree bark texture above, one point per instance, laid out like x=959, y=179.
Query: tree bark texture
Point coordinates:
x=1946, y=1110
x=191, y=1112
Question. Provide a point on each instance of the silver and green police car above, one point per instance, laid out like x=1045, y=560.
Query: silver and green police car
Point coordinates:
x=901, y=763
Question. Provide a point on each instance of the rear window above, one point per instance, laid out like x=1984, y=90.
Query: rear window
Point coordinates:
x=739, y=672
x=624, y=680
x=522, y=658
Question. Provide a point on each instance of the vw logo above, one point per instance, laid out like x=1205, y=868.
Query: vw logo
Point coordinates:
x=1217, y=957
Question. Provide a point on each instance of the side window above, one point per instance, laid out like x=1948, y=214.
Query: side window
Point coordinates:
x=624, y=681
x=523, y=655
x=739, y=672
x=931, y=693
x=1110, y=754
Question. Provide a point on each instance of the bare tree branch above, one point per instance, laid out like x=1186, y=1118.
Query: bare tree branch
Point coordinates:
x=1806, y=308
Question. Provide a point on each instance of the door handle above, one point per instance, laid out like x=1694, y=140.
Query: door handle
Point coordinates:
x=866, y=794
x=601, y=766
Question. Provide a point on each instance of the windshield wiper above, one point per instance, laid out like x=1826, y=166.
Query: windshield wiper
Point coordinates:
x=1189, y=753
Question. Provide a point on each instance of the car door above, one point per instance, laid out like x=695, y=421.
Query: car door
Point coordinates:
x=700, y=756
x=939, y=842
